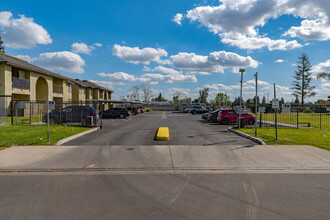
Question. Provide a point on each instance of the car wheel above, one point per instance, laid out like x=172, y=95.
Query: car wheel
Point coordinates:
x=83, y=122
x=251, y=121
x=194, y=113
x=121, y=116
x=225, y=121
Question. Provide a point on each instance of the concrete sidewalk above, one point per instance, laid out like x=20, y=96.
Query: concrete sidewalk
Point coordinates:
x=177, y=157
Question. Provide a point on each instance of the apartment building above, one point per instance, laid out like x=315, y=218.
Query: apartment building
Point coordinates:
x=25, y=81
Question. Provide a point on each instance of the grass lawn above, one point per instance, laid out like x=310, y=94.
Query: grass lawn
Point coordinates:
x=314, y=118
x=287, y=136
x=35, y=134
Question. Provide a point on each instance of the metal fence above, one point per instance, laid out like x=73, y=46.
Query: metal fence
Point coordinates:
x=295, y=116
x=5, y=109
x=67, y=113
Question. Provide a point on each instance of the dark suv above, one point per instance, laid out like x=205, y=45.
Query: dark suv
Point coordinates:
x=115, y=113
x=199, y=110
x=73, y=114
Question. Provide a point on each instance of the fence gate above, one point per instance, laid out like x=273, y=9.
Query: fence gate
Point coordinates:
x=5, y=109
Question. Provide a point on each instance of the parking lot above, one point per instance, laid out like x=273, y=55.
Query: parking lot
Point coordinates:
x=203, y=172
x=185, y=129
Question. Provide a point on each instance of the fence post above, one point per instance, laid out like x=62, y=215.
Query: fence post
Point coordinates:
x=260, y=122
x=320, y=119
x=297, y=118
x=12, y=109
x=30, y=113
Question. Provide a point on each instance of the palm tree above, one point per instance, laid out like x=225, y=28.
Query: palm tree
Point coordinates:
x=323, y=76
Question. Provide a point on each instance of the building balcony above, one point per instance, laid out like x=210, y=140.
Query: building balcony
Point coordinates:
x=58, y=89
x=20, y=83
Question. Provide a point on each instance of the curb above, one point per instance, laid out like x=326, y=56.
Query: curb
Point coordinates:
x=60, y=142
x=257, y=140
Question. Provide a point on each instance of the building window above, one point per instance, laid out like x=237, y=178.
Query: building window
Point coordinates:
x=15, y=72
x=70, y=87
x=80, y=90
x=69, y=100
x=91, y=93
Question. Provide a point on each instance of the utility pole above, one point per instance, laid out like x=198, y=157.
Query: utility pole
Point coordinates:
x=47, y=119
x=240, y=100
x=256, y=111
x=275, y=111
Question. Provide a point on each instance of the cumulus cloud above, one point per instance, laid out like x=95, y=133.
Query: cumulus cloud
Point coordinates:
x=279, y=61
x=119, y=77
x=322, y=67
x=97, y=44
x=22, y=32
x=179, y=91
x=163, y=74
x=238, y=21
x=214, y=62
x=136, y=55
x=63, y=61
x=177, y=18
x=81, y=48
x=106, y=84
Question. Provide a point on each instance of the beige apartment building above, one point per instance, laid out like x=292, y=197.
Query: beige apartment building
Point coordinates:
x=25, y=81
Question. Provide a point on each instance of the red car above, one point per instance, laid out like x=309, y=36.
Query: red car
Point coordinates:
x=227, y=116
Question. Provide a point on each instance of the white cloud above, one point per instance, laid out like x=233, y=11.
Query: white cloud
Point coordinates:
x=119, y=77
x=63, y=61
x=322, y=67
x=238, y=21
x=22, y=32
x=106, y=84
x=81, y=48
x=97, y=44
x=279, y=61
x=214, y=62
x=179, y=91
x=177, y=18
x=136, y=55
x=325, y=86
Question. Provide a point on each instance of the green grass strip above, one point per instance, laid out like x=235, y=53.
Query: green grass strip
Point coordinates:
x=35, y=134
x=290, y=136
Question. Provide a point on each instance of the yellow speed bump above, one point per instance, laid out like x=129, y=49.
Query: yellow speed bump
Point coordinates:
x=163, y=134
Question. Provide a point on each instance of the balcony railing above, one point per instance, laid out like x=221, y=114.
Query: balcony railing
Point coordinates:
x=21, y=83
x=57, y=89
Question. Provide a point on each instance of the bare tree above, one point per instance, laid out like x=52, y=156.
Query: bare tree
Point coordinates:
x=203, y=94
x=147, y=93
x=134, y=93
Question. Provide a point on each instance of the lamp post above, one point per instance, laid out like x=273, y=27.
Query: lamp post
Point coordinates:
x=240, y=100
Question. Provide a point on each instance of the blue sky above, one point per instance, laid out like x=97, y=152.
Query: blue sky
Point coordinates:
x=174, y=46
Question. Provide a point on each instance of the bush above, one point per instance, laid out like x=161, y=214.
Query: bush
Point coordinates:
x=308, y=111
x=148, y=109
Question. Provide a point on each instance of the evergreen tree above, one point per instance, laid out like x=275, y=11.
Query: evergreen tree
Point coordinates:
x=303, y=77
x=282, y=101
x=2, y=48
x=263, y=100
x=296, y=101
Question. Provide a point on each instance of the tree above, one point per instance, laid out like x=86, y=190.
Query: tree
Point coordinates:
x=222, y=99
x=236, y=101
x=2, y=48
x=160, y=98
x=203, y=94
x=282, y=101
x=323, y=76
x=253, y=101
x=296, y=101
x=303, y=76
x=195, y=101
x=147, y=93
x=134, y=92
x=263, y=100
x=185, y=100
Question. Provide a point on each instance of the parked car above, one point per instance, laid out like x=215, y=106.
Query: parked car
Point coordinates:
x=213, y=115
x=199, y=110
x=227, y=116
x=142, y=110
x=115, y=113
x=134, y=111
x=205, y=116
x=187, y=110
x=73, y=114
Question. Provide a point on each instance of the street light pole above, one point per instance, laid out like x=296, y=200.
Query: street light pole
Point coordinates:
x=240, y=100
x=256, y=109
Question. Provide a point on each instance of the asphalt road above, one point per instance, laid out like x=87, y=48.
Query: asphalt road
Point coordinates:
x=185, y=129
x=203, y=172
